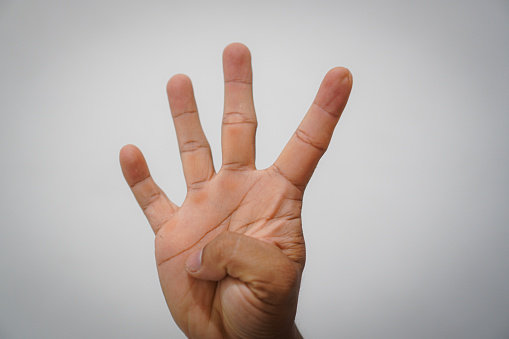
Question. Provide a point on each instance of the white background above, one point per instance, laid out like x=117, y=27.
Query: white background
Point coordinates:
x=406, y=219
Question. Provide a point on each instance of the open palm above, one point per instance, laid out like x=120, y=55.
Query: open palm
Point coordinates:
x=246, y=213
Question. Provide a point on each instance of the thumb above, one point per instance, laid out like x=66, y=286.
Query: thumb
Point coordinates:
x=265, y=269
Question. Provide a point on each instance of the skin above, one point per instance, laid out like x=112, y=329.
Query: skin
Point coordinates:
x=231, y=257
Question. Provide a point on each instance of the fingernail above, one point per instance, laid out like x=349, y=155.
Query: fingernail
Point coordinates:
x=193, y=262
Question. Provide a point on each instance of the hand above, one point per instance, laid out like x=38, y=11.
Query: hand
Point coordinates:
x=231, y=257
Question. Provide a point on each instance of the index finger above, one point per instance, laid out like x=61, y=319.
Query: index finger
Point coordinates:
x=300, y=156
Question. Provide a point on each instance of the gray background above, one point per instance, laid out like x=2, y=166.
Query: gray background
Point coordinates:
x=406, y=218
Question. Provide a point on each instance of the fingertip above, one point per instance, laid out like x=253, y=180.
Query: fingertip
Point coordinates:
x=236, y=50
x=335, y=90
x=339, y=76
x=177, y=82
x=133, y=164
x=237, y=63
x=193, y=262
x=180, y=94
x=127, y=153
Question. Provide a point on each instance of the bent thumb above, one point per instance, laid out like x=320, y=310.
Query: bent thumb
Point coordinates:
x=266, y=270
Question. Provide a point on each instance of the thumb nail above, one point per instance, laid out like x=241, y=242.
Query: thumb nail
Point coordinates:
x=193, y=262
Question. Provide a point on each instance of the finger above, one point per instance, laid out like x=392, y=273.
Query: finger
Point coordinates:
x=157, y=207
x=269, y=273
x=239, y=118
x=311, y=139
x=193, y=145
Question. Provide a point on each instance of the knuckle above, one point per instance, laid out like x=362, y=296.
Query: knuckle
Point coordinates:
x=192, y=146
x=238, y=118
x=239, y=82
x=148, y=200
x=281, y=285
x=308, y=139
x=223, y=245
x=323, y=108
x=239, y=166
x=183, y=114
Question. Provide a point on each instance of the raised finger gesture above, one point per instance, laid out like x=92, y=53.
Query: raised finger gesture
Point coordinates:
x=231, y=257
